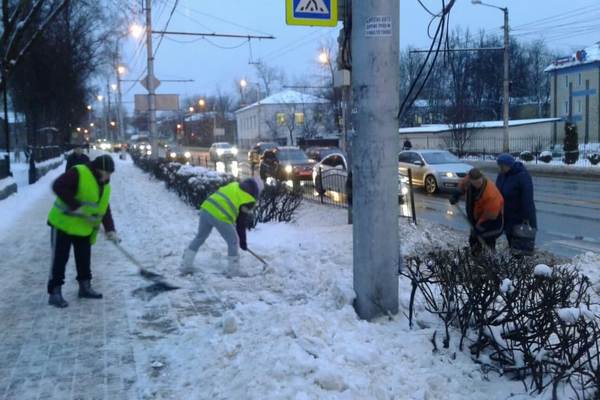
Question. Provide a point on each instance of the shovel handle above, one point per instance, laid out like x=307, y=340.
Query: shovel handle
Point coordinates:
x=259, y=258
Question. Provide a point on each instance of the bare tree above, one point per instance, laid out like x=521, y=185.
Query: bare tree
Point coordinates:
x=269, y=77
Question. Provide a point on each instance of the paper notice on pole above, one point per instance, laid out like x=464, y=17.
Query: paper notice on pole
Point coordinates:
x=378, y=26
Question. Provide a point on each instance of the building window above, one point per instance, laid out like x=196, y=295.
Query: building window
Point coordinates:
x=579, y=79
x=578, y=106
x=280, y=118
x=566, y=107
x=566, y=81
x=299, y=118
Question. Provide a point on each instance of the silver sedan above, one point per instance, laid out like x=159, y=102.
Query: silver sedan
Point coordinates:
x=435, y=170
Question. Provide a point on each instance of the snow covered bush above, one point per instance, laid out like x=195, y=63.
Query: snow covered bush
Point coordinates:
x=278, y=203
x=594, y=158
x=192, y=184
x=545, y=156
x=533, y=322
x=526, y=156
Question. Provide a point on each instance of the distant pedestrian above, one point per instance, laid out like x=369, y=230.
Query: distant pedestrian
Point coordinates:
x=81, y=206
x=227, y=210
x=484, y=205
x=76, y=157
x=516, y=186
x=407, y=145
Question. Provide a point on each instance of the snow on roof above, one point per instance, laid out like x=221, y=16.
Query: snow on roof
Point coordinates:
x=439, y=128
x=287, y=97
x=588, y=55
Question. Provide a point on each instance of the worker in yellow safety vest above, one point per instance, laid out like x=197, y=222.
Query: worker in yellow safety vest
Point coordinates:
x=229, y=211
x=81, y=206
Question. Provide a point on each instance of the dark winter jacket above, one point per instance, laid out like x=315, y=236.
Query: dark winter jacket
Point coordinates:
x=516, y=187
x=75, y=159
x=244, y=222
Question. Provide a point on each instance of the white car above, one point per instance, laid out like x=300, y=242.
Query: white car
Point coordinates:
x=331, y=174
x=222, y=151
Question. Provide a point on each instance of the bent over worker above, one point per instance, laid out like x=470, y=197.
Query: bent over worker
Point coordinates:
x=81, y=206
x=229, y=211
x=484, y=207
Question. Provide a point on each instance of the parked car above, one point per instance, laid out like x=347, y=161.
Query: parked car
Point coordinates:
x=435, y=170
x=256, y=152
x=331, y=174
x=178, y=154
x=286, y=163
x=222, y=151
x=319, y=153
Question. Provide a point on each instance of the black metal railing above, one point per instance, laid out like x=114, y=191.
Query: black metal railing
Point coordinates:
x=4, y=167
x=45, y=153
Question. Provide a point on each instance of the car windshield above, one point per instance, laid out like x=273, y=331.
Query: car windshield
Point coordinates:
x=442, y=157
x=292, y=156
x=223, y=145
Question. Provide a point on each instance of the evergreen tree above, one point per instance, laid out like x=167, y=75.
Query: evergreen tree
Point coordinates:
x=571, y=143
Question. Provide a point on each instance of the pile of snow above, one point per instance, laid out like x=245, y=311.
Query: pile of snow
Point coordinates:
x=572, y=315
x=506, y=287
x=50, y=162
x=542, y=271
x=201, y=173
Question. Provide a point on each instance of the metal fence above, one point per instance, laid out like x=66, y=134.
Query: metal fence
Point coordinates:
x=46, y=153
x=4, y=163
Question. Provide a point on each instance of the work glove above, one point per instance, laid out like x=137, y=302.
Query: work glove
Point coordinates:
x=453, y=199
x=113, y=237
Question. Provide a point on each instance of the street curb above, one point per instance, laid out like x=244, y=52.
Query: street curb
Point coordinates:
x=556, y=171
x=8, y=191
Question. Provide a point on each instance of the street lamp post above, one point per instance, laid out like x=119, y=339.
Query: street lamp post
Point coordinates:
x=506, y=80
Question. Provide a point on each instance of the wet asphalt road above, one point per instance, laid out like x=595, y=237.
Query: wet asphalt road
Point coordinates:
x=568, y=213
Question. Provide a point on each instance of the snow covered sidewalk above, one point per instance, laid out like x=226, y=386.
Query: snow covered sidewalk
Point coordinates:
x=289, y=333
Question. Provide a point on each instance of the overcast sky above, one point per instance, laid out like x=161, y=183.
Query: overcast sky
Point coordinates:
x=566, y=25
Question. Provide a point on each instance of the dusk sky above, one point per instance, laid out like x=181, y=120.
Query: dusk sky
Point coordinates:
x=219, y=62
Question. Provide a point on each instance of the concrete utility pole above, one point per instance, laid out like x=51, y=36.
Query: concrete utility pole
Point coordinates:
x=150, y=82
x=375, y=86
x=506, y=102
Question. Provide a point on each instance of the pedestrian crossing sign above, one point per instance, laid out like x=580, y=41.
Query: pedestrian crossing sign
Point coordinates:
x=312, y=12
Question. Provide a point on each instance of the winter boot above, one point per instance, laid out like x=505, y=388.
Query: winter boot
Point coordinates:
x=187, y=263
x=86, y=291
x=233, y=267
x=56, y=299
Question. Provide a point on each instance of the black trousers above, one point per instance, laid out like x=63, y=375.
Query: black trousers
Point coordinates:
x=61, y=247
x=491, y=231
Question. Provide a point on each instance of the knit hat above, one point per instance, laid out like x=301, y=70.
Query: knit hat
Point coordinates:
x=104, y=162
x=252, y=186
x=475, y=174
x=506, y=159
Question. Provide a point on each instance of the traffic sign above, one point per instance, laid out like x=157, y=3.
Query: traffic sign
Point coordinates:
x=155, y=83
x=312, y=12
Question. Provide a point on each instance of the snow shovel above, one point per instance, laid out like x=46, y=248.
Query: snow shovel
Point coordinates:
x=159, y=281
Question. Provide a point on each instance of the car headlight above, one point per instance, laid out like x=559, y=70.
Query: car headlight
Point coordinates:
x=219, y=152
x=234, y=150
x=149, y=152
x=187, y=154
x=148, y=147
x=404, y=190
x=173, y=154
x=450, y=175
x=288, y=169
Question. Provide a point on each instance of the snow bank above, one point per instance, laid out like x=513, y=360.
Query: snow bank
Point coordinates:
x=49, y=163
x=506, y=287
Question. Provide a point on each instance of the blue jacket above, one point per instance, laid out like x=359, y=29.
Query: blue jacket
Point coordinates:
x=516, y=187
